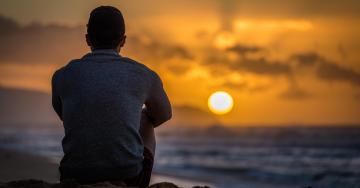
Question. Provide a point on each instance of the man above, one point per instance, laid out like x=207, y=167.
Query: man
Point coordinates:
x=109, y=106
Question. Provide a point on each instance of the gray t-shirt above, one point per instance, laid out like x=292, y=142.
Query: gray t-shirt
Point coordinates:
x=99, y=98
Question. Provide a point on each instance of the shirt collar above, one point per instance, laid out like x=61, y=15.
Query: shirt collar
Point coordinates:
x=102, y=53
x=105, y=51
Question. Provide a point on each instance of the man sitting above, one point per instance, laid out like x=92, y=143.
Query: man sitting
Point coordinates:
x=109, y=106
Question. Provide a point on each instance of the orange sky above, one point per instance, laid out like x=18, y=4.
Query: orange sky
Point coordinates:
x=293, y=62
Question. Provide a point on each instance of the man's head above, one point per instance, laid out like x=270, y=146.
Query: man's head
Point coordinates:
x=106, y=28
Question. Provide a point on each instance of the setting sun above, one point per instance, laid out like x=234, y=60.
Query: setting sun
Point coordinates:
x=220, y=102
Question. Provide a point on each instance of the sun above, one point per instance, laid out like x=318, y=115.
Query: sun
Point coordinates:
x=220, y=102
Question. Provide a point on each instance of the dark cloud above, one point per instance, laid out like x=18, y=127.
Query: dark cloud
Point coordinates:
x=244, y=86
x=306, y=59
x=262, y=67
x=333, y=72
x=243, y=49
x=216, y=62
x=8, y=26
x=39, y=43
x=216, y=58
x=152, y=48
x=326, y=69
x=170, y=51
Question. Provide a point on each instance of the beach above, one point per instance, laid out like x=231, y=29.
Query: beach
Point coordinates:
x=22, y=166
x=17, y=166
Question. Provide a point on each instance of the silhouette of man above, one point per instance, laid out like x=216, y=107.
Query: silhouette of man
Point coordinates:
x=109, y=106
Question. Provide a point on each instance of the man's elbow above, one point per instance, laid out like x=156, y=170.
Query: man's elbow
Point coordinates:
x=164, y=118
x=168, y=116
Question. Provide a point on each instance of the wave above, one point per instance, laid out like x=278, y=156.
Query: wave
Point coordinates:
x=319, y=157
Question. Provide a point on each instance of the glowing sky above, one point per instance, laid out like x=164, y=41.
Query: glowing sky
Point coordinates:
x=283, y=62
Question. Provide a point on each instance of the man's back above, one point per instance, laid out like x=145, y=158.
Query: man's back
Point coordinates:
x=109, y=136
x=101, y=98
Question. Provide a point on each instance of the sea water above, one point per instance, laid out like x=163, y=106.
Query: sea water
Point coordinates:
x=237, y=157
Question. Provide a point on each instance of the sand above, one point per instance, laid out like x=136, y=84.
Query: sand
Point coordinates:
x=16, y=166
x=21, y=166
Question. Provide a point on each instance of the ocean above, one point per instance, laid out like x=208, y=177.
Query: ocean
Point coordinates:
x=259, y=157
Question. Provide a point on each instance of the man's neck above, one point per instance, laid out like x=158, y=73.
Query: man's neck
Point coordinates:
x=110, y=51
x=117, y=49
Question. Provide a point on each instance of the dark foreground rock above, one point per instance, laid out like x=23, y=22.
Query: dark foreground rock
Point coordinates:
x=31, y=183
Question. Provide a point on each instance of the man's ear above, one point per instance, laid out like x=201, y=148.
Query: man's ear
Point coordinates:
x=88, y=40
x=122, y=41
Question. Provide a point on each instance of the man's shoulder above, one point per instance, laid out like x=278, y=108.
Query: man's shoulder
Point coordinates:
x=75, y=62
x=139, y=65
x=62, y=69
x=72, y=63
x=68, y=65
x=154, y=77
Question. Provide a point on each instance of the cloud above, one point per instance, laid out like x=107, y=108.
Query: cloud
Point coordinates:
x=152, y=48
x=325, y=69
x=333, y=72
x=178, y=69
x=170, y=51
x=8, y=26
x=37, y=43
x=244, y=86
x=40, y=43
x=242, y=50
x=262, y=67
x=306, y=59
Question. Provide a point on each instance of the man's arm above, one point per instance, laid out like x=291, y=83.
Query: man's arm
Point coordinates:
x=158, y=107
x=56, y=100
